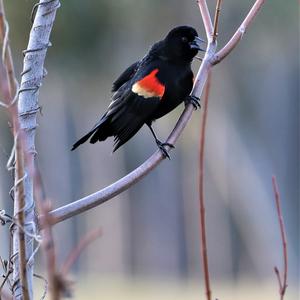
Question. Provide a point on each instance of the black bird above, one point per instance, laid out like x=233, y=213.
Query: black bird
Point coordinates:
x=149, y=89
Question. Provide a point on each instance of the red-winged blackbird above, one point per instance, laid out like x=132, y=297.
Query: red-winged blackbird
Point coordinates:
x=149, y=89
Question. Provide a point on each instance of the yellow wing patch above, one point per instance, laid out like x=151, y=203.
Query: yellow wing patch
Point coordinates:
x=149, y=86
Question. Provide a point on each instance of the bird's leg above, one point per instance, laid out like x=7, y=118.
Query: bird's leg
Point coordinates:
x=195, y=101
x=161, y=145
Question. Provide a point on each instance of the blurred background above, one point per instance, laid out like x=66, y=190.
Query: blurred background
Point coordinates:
x=150, y=247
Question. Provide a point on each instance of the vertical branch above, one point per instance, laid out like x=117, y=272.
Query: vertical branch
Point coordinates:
x=19, y=205
x=216, y=20
x=282, y=283
x=24, y=125
x=10, y=95
x=47, y=236
x=49, y=249
x=206, y=18
x=204, y=253
x=220, y=55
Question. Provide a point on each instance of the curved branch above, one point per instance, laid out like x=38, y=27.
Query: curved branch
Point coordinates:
x=67, y=211
x=220, y=55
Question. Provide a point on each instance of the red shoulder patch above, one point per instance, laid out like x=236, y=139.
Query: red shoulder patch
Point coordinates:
x=149, y=86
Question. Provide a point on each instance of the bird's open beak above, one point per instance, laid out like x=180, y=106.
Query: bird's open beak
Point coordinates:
x=196, y=44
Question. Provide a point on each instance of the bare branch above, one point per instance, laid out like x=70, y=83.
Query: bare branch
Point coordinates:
x=83, y=243
x=24, y=124
x=49, y=249
x=220, y=55
x=282, y=283
x=216, y=19
x=19, y=207
x=20, y=265
x=6, y=52
x=206, y=18
x=204, y=253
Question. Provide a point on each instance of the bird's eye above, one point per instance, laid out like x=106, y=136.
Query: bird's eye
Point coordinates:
x=184, y=39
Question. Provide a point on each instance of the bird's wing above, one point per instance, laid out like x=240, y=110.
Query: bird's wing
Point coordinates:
x=134, y=102
x=125, y=76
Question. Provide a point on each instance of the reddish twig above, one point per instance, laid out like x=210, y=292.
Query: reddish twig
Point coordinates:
x=282, y=283
x=49, y=249
x=204, y=253
x=220, y=55
x=10, y=95
x=75, y=253
x=216, y=19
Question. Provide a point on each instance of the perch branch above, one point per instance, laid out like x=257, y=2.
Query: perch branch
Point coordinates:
x=204, y=252
x=282, y=283
x=99, y=197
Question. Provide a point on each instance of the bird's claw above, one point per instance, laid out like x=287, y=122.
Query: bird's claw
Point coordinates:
x=195, y=101
x=162, y=148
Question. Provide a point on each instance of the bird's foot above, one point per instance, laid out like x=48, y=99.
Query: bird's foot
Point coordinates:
x=162, y=148
x=195, y=101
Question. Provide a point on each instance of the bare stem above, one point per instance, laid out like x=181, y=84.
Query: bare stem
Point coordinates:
x=20, y=216
x=282, y=283
x=20, y=265
x=50, y=255
x=216, y=19
x=204, y=253
x=206, y=18
x=75, y=253
x=239, y=33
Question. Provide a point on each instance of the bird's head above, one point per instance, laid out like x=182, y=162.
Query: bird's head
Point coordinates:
x=182, y=44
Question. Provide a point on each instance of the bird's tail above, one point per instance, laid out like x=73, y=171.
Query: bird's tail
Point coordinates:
x=100, y=132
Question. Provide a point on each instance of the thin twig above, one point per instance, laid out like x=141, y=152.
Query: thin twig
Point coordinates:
x=101, y=196
x=282, y=283
x=49, y=250
x=220, y=55
x=204, y=253
x=19, y=210
x=206, y=18
x=216, y=20
x=75, y=253
x=43, y=207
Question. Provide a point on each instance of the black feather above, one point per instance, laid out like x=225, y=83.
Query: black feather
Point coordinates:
x=125, y=76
